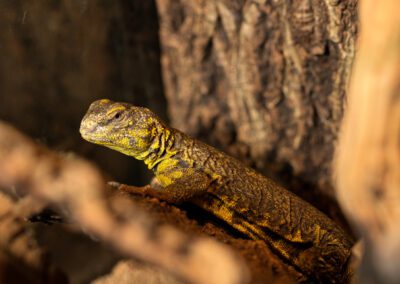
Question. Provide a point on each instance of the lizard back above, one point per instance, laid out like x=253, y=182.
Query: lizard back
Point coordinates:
x=261, y=209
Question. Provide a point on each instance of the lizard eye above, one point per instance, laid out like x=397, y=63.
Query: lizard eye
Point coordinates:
x=117, y=115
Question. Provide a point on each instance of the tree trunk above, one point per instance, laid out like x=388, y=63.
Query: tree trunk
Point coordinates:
x=263, y=80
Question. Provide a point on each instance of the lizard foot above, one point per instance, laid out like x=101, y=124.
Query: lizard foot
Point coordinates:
x=146, y=190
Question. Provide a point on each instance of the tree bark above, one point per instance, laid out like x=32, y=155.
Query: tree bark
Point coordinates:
x=263, y=80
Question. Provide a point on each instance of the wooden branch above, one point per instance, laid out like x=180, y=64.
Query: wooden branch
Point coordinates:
x=368, y=160
x=77, y=186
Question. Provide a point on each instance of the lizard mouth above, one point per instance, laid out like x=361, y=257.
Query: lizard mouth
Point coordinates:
x=92, y=137
x=91, y=133
x=97, y=140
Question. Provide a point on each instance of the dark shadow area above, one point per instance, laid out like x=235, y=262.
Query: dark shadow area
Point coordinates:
x=58, y=57
x=81, y=258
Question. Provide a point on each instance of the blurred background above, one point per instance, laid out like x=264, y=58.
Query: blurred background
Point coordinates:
x=56, y=57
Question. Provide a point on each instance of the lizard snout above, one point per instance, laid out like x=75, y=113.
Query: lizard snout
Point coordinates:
x=87, y=127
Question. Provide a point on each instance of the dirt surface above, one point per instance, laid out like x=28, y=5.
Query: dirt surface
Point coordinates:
x=265, y=266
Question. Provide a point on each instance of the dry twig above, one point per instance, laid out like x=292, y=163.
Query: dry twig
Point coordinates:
x=75, y=185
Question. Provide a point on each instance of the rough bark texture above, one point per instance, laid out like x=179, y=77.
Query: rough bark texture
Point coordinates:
x=368, y=164
x=263, y=80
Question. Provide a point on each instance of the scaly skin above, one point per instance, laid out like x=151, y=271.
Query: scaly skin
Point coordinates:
x=187, y=169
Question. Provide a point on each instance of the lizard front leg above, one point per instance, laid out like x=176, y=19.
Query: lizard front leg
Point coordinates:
x=173, y=190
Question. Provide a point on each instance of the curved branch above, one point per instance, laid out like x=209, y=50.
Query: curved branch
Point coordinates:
x=73, y=183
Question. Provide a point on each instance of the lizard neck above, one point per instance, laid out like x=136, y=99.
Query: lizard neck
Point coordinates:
x=160, y=149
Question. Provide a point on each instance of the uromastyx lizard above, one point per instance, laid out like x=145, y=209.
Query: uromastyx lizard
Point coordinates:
x=187, y=169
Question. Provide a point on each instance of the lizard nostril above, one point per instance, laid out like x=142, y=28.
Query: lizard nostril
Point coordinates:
x=87, y=127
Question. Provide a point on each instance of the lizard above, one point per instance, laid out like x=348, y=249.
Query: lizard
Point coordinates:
x=187, y=169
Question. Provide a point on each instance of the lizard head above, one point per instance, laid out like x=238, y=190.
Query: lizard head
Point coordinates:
x=120, y=126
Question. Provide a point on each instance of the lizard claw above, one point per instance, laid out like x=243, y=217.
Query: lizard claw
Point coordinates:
x=114, y=184
x=138, y=190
